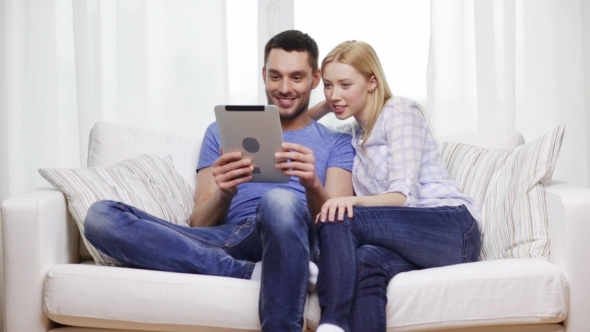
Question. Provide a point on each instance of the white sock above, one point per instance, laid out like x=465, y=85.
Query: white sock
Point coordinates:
x=257, y=272
x=313, y=276
x=329, y=328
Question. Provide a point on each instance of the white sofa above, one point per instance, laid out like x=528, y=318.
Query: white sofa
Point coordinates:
x=52, y=284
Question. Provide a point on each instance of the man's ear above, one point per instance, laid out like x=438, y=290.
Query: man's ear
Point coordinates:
x=316, y=79
x=373, y=84
x=264, y=74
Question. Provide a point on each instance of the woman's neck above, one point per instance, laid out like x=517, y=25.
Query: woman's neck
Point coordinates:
x=362, y=118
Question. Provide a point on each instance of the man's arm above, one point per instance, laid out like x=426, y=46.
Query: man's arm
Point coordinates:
x=216, y=186
x=302, y=165
x=338, y=184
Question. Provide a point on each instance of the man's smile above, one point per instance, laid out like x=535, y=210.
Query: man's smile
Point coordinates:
x=286, y=102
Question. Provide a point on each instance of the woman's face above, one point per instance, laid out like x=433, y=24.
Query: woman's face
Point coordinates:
x=346, y=90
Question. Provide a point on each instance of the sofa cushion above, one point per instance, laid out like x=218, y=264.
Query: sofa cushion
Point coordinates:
x=486, y=293
x=503, y=328
x=125, y=298
x=508, y=186
x=148, y=182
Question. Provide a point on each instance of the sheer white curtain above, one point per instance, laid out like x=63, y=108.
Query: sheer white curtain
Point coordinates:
x=66, y=64
x=519, y=64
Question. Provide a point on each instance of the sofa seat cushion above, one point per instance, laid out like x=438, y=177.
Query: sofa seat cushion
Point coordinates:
x=486, y=293
x=122, y=298
x=504, y=328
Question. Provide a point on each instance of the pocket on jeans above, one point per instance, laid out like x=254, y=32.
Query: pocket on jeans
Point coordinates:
x=471, y=243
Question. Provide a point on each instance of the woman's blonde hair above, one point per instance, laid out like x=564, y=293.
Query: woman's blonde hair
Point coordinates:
x=362, y=57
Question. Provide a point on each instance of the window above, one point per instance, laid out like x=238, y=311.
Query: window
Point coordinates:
x=242, y=48
x=399, y=31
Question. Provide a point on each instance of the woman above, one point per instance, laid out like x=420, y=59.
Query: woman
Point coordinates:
x=407, y=213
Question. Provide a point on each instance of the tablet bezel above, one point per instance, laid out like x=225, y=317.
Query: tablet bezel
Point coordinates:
x=261, y=122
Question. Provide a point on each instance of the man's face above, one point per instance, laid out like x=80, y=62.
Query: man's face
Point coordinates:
x=289, y=79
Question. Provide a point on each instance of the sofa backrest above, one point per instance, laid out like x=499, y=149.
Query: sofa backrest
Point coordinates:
x=505, y=139
x=110, y=143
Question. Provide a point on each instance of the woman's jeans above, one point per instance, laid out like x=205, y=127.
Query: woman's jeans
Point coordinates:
x=359, y=256
x=280, y=236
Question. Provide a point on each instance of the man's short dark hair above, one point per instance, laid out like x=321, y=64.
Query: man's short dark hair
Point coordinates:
x=294, y=40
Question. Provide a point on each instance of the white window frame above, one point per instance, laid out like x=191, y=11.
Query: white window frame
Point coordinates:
x=274, y=16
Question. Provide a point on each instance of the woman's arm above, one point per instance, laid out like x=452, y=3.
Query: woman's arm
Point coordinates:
x=405, y=144
x=319, y=110
x=405, y=129
x=387, y=199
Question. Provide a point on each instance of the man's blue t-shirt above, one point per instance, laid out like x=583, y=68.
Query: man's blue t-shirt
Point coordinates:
x=331, y=148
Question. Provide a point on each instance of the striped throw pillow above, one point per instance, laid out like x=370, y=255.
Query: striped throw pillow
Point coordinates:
x=509, y=186
x=148, y=182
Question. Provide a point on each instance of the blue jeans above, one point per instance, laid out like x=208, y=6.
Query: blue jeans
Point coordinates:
x=280, y=236
x=359, y=256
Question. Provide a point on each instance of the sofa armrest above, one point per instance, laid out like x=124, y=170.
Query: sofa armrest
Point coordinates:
x=38, y=232
x=568, y=211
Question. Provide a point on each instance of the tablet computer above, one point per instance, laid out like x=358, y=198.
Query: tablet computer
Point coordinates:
x=256, y=131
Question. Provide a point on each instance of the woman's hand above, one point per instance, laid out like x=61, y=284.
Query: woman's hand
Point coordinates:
x=335, y=208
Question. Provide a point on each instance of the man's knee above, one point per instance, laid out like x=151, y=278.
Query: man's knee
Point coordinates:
x=99, y=218
x=282, y=210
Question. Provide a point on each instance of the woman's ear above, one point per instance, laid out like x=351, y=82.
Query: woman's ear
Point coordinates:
x=373, y=83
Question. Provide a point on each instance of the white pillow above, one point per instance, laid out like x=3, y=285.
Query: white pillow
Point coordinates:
x=509, y=186
x=147, y=182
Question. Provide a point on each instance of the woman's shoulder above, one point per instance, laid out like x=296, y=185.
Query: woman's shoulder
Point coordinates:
x=400, y=105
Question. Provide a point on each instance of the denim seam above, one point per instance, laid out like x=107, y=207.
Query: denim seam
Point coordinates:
x=166, y=224
x=466, y=237
x=249, y=270
x=242, y=227
x=302, y=297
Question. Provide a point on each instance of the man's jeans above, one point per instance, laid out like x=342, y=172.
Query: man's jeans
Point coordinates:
x=359, y=256
x=280, y=236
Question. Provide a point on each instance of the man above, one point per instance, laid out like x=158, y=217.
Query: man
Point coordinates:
x=236, y=222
